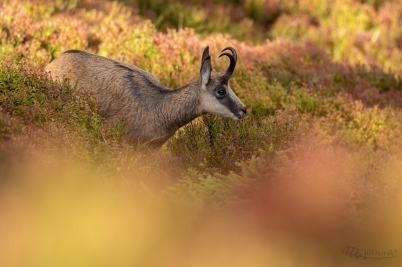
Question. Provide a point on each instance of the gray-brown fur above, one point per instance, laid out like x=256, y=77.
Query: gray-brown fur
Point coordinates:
x=151, y=112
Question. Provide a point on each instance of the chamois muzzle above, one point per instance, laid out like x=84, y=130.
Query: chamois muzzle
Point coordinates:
x=233, y=60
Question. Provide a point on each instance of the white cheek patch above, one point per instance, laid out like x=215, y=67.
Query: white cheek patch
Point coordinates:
x=209, y=104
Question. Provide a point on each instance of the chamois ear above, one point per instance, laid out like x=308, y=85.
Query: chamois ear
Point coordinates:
x=206, y=67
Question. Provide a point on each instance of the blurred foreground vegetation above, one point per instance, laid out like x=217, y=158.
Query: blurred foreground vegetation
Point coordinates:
x=316, y=166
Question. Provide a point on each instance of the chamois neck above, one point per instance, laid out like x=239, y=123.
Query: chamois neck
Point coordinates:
x=180, y=106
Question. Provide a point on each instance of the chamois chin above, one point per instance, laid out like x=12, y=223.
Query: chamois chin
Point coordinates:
x=151, y=112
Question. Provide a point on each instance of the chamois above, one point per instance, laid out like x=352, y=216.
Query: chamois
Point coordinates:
x=151, y=112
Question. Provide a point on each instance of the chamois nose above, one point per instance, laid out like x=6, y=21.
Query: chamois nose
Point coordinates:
x=242, y=113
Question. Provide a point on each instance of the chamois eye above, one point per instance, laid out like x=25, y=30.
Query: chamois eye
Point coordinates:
x=221, y=92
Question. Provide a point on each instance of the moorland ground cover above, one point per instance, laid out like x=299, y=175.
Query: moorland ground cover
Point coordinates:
x=317, y=160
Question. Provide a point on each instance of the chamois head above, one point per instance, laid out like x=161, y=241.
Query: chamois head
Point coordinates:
x=217, y=97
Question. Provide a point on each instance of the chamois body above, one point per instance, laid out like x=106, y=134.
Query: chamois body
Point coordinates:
x=151, y=112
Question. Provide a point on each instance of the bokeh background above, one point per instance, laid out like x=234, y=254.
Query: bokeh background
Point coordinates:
x=311, y=177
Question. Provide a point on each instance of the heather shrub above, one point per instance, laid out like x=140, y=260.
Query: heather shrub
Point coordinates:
x=292, y=90
x=216, y=145
x=354, y=182
x=302, y=81
x=344, y=28
x=314, y=166
x=35, y=100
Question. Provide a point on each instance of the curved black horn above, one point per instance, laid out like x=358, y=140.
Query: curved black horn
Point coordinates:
x=231, y=50
x=233, y=60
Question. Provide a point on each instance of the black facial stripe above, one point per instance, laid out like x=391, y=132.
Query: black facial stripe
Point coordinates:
x=230, y=104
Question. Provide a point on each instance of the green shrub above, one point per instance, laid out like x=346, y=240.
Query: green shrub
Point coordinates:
x=293, y=88
x=215, y=145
